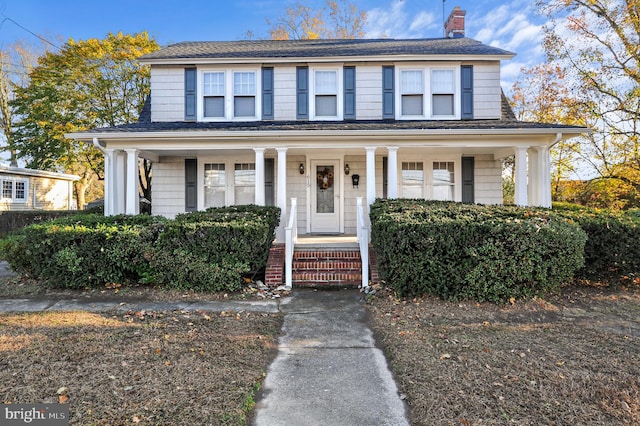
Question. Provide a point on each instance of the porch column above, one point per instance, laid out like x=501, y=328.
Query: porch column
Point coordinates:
x=133, y=194
x=545, y=176
x=119, y=178
x=259, y=191
x=534, y=184
x=520, y=193
x=392, y=172
x=371, y=175
x=282, y=192
x=108, y=182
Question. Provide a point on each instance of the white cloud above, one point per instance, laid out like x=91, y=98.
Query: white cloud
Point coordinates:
x=395, y=22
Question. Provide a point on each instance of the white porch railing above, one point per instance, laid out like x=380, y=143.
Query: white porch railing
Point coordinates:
x=290, y=239
x=363, y=237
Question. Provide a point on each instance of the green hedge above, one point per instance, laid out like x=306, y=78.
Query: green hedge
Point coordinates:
x=204, y=250
x=613, y=241
x=459, y=251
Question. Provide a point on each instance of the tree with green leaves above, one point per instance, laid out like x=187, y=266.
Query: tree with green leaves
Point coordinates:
x=86, y=84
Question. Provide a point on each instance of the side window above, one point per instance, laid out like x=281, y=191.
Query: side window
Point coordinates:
x=215, y=183
x=244, y=182
x=412, y=93
x=213, y=94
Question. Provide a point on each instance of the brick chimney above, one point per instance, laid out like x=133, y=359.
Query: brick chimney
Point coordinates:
x=454, y=27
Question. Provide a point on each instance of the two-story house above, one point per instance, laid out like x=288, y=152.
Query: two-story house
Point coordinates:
x=326, y=121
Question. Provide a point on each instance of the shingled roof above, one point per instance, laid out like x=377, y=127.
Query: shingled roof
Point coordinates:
x=322, y=48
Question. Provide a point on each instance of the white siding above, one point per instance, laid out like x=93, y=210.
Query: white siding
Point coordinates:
x=487, y=180
x=167, y=191
x=486, y=91
x=358, y=166
x=167, y=94
x=369, y=92
x=297, y=188
x=284, y=88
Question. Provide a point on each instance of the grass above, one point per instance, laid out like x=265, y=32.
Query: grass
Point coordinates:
x=566, y=360
x=146, y=368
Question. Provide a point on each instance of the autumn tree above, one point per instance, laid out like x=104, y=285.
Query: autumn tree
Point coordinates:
x=597, y=45
x=540, y=94
x=336, y=20
x=86, y=84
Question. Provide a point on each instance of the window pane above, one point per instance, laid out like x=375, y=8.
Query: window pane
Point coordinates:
x=411, y=82
x=214, y=106
x=244, y=83
x=20, y=191
x=214, y=185
x=325, y=195
x=412, y=105
x=326, y=82
x=443, y=180
x=442, y=104
x=7, y=189
x=214, y=83
x=244, y=183
x=412, y=180
x=326, y=106
x=244, y=106
x=442, y=81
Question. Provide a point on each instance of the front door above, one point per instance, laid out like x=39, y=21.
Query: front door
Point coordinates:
x=325, y=196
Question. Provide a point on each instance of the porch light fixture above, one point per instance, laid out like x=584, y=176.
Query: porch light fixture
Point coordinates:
x=301, y=168
x=346, y=169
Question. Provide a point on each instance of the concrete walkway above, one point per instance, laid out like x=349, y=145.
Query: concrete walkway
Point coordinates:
x=328, y=370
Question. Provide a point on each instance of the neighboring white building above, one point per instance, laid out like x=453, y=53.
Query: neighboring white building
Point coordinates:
x=326, y=121
x=29, y=189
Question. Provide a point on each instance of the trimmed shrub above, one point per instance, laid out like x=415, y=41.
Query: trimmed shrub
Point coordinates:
x=205, y=250
x=459, y=251
x=613, y=241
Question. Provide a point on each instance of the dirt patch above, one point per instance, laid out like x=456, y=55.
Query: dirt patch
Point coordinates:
x=176, y=368
x=568, y=359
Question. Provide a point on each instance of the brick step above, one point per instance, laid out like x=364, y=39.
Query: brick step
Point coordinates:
x=326, y=265
x=326, y=279
x=326, y=255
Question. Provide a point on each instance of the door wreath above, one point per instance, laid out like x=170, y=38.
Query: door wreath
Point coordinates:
x=325, y=179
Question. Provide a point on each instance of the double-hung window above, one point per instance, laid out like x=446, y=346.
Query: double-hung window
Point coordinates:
x=443, y=180
x=244, y=181
x=326, y=93
x=244, y=94
x=442, y=92
x=412, y=92
x=15, y=190
x=215, y=185
x=213, y=95
x=412, y=179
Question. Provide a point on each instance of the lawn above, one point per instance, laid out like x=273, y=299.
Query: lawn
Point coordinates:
x=146, y=368
x=569, y=359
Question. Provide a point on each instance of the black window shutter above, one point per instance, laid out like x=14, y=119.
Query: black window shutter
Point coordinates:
x=302, y=93
x=190, y=184
x=349, y=93
x=269, y=175
x=388, y=92
x=468, y=180
x=466, y=75
x=267, y=93
x=190, y=86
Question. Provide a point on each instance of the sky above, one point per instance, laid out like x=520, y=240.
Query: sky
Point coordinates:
x=513, y=25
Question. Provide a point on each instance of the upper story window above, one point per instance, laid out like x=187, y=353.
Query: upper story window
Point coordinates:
x=244, y=94
x=428, y=93
x=412, y=92
x=229, y=95
x=213, y=92
x=15, y=190
x=326, y=101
